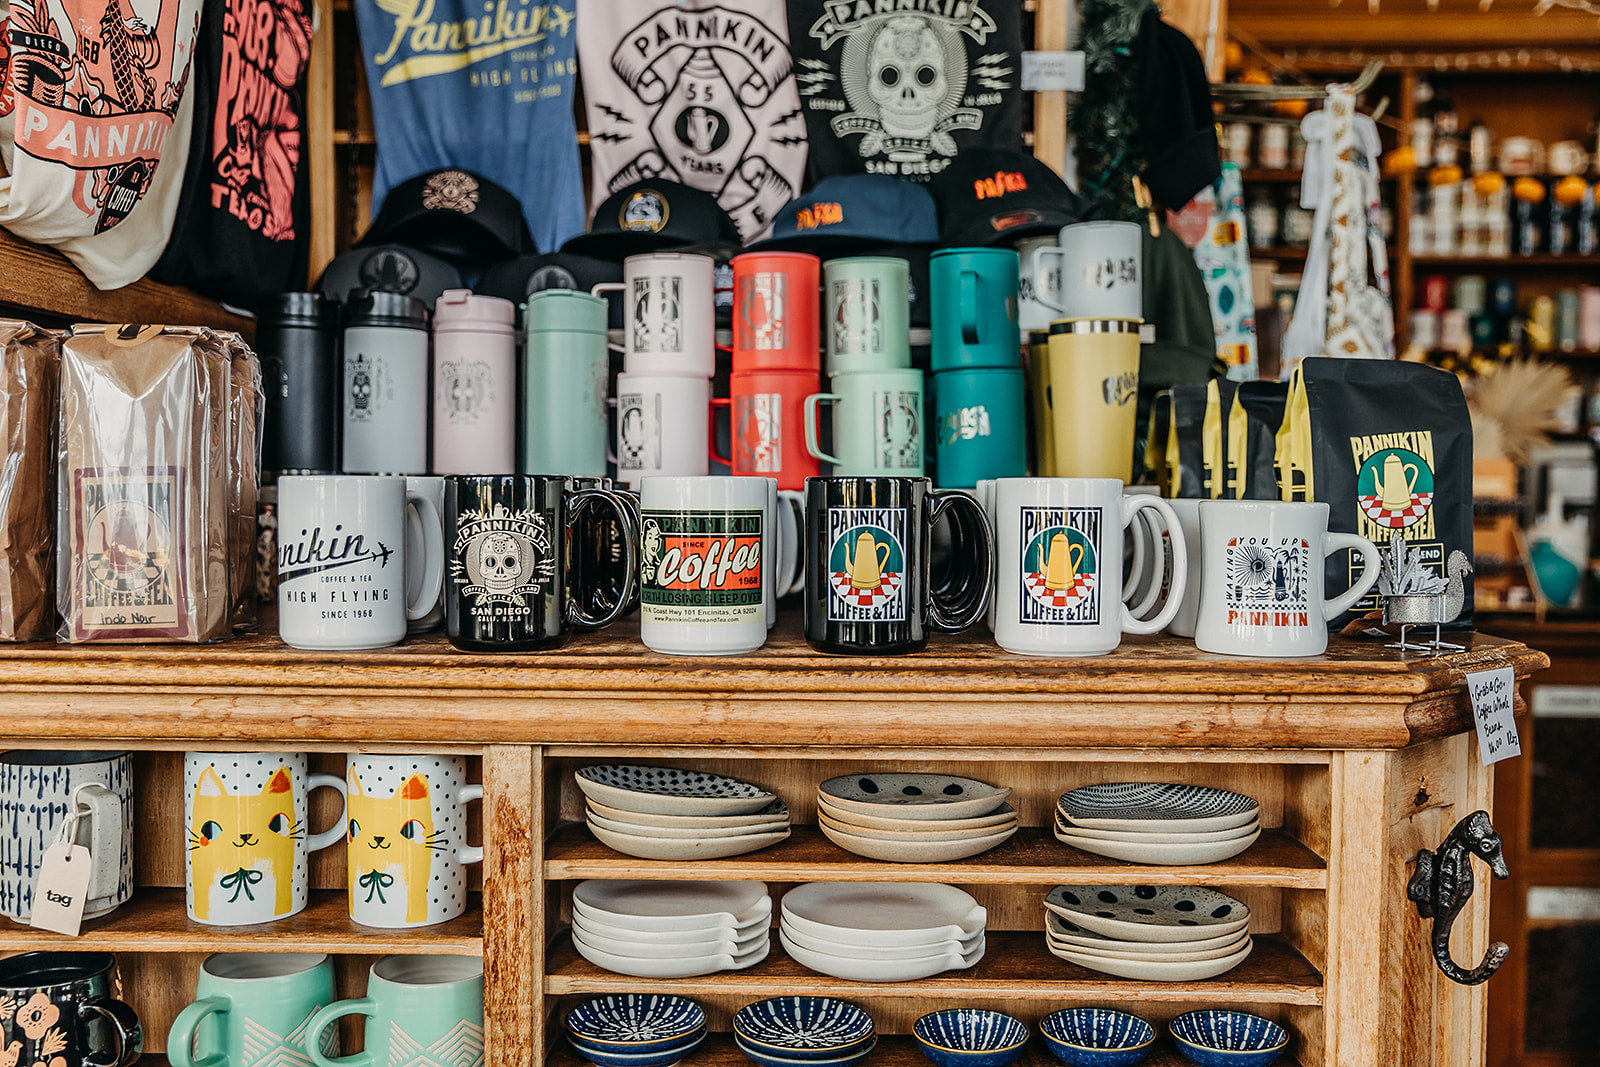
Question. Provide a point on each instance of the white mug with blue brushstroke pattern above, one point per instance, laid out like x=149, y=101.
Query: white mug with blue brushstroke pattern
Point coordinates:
x=37, y=792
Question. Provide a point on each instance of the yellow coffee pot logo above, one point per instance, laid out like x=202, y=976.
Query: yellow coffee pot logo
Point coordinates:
x=865, y=567
x=1397, y=482
x=1060, y=564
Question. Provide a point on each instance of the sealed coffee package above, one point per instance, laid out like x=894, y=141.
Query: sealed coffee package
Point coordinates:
x=1197, y=441
x=1390, y=453
x=142, y=497
x=29, y=382
x=245, y=408
x=1261, y=405
x=1217, y=440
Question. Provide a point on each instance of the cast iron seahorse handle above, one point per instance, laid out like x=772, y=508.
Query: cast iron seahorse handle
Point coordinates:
x=1442, y=885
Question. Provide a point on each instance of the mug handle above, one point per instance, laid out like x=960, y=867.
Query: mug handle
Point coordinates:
x=1160, y=566
x=124, y=1024
x=335, y=832
x=969, y=307
x=600, y=290
x=469, y=853
x=322, y=1018
x=711, y=431
x=1041, y=253
x=814, y=401
x=1137, y=568
x=433, y=557
x=1180, y=566
x=794, y=502
x=180, y=1039
x=967, y=605
x=1371, y=567
x=105, y=810
x=577, y=613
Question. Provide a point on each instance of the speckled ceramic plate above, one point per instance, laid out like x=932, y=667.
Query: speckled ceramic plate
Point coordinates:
x=926, y=831
x=772, y=812
x=913, y=796
x=1154, y=970
x=1156, y=806
x=1197, y=955
x=1149, y=912
x=1000, y=816
x=1069, y=934
x=677, y=848
x=683, y=833
x=909, y=848
x=1159, y=853
x=1179, y=837
x=670, y=790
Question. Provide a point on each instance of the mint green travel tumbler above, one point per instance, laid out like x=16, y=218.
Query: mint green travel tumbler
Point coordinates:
x=565, y=376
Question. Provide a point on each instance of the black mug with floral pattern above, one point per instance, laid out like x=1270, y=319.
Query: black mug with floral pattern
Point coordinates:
x=57, y=1010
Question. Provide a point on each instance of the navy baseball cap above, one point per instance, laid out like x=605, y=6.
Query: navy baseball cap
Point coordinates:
x=997, y=196
x=868, y=209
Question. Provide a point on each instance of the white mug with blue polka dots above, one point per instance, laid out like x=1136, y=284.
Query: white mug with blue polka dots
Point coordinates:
x=407, y=839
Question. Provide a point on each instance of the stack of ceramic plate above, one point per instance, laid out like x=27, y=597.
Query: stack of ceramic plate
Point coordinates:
x=663, y=813
x=804, y=1032
x=1152, y=822
x=1156, y=933
x=881, y=931
x=671, y=929
x=914, y=818
x=635, y=1029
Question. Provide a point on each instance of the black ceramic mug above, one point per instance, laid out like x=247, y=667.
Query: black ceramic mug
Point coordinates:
x=512, y=543
x=57, y=1008
x=871, y=588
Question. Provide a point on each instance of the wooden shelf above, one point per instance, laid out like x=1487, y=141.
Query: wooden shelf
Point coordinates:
x=1264, y=174
x=156, y=920
x=1031, y=856
x=1016, y=967
x=1543, y=259
x=1280, y=252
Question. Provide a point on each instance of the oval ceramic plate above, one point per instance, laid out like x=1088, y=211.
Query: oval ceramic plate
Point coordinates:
x=912, y=849
x=699, y=932
x=674, y=967
x=790, y=1025
x=913, y=796
x=1150, y=970
x=925, y=834
x=1197, y=955
x=670, y=790
x=685, y=833
x=593, y=1054
x=1003, y=814
x=856, y=969
x=625, y=1019
x=772, y=812
x=672, y=848
x=879, y=952
x=1156, y=806
x=883, y=913
x=1179, y=837
x=1148, y=912
x=1161, y=854
x=1069, y=935
x=718, y=943
x=649, y=905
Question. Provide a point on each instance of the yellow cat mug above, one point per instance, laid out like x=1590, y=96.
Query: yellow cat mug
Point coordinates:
x=249, y=834
x=407, y=839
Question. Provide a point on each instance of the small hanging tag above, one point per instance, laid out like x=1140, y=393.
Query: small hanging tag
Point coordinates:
x=1052, y=72
x=1493, y=695
x=59, y=893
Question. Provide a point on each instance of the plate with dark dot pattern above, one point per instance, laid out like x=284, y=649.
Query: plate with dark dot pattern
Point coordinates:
x=1149, y=912
x=670, y=790
x=913, y=796
x=1156, y=807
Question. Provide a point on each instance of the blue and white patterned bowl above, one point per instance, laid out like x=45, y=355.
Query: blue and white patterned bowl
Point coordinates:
x=850, y=1058
x=1218, y=1038
x=1096, y=1037
x=803, y=1028
x=970, y=1037
x=635, y=1023
x=663, y=1057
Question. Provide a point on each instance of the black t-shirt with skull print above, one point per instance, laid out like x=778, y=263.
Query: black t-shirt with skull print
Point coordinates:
x=898, y=87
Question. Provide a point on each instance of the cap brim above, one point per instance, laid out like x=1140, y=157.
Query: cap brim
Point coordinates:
x=994, y=230
x=617, y=247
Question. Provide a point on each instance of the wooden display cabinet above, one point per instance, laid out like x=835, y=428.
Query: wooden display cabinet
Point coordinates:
x=1358, y=759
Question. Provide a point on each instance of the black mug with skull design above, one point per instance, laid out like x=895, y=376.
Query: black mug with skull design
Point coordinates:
x=514, y=545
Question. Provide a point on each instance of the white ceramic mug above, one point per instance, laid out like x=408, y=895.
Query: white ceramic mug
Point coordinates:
x=39, y=791
x=663, y=426
x=668, y=313
x=406, y=836
x=782, y=548
x=1188, y=512
x=344, y=560
x=249, y=834
x=1262, y=566
x=1058, y=565
x=1038, y=286
x=1099, y=265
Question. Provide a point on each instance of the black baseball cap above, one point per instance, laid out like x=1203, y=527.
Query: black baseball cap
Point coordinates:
x=389, y=268
x=518, y=279
x=453, y=214
x=854, y=209
x=653, y=216
x=997, y=196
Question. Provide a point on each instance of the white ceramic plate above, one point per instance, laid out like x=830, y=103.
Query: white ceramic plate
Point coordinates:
x=881, y=952
x=1158, y=853
x=683, y=833
x=670, y=848
x=1002, y=814
x=638, y=904
x=1071, y=935
x=1156, y=806
x=1150, y=970
x=1198, y=955
x=915, y=849
x=970, y=834
x=772, y=812
x=856, y=969
x=913, y=796
x=883, y=913
x=1149, y=913
x=1233, y=833
x=719, y=944
x=678, y=967
x=699, y=932
x=670, y=790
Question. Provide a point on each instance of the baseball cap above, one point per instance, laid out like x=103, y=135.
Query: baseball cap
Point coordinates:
x=650, y=216
x=389, y=268
x=517, y=279
x=453, y=214
x=854, y=209
x=996, y=196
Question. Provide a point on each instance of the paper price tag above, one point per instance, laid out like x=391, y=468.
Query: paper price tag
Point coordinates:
x=1493, y=695
x=1052, y=72
x=59, y=893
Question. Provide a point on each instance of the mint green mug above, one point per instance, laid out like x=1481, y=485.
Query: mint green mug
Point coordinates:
x=877, y=424
x=423, y=1011
x=866, y=306
x=249, y=1009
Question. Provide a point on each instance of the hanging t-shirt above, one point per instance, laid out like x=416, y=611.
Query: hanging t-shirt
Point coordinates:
x=900, y=88
x=697, y=93
x=241, y=228
x=94, y=128
x=482, y=86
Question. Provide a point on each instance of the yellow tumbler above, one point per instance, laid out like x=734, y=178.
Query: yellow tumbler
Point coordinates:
x=1093, y=374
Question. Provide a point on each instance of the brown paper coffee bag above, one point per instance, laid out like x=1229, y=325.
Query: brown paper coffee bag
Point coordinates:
x=30, y=366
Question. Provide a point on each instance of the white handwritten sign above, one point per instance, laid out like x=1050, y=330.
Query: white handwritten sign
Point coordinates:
x=1058, y=71
x=1493, y=695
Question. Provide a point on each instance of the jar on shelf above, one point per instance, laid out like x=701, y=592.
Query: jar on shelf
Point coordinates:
x=1263, y=220
x=1272, y=148
x=1236, y=139
x=1295, y=225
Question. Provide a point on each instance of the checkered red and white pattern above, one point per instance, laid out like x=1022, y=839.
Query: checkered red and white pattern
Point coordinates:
x=1074, y=594
x=889, y=585
x=1373, y=507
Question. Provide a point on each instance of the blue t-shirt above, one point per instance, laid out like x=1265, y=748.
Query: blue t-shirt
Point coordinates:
x=486, y=85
